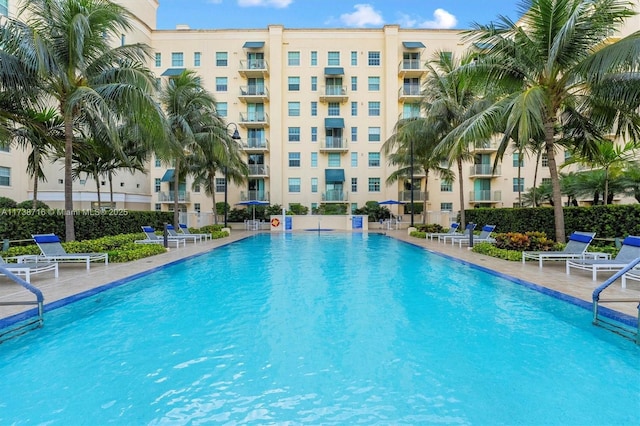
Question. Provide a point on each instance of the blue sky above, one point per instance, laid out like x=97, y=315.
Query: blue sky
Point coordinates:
x=226, y=14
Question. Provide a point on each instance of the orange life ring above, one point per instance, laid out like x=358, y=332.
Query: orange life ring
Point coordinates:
x=275, y=222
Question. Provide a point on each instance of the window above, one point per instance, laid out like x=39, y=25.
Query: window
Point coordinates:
x=374, y=84
x=156, y=184
x=354, y=58
x=294, y=134
x=314, y=58
x=293, y=59
x=220, y=184
x=294, y=109
x=546, y=181
x=517, y=159
x=123, y=39
x=446, y=207
x=354, y=184
x=314, y=184
x=158, y=59
x=158, y=83
x=314, y=84
x=294, y=184
x=221, y=84
x=374, y=184
x=446, y=55
x=177, y=59
x=334, y=159
x=222, y=109
x=196, y=59
x=374, y=134
x=4, y=9
x=333, y=109
x=196, y=188
x=314, y=108
x=294, y=84
x=333, y=59
x=544, y=160
x=374, y=109
x=518, y=184
x=354, y=134
x=5, y=176
x=354, y=109
x=196, y=207
x=221, y=59
x=157, y=162
x=314, y=159
x=374, y=59
x=446, y=186
x=374, y=159
x=158, y=207
x=354, y=159
x=354, y=84
x=294, y=159
x=314, y=134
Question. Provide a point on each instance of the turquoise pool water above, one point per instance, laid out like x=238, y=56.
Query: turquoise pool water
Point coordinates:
x=319, y=329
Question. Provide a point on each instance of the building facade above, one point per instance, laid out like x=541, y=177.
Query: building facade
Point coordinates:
x=313, y=108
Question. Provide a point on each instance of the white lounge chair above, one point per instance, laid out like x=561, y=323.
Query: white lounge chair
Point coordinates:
x=52, y=251
x=171, y=230
x=27, y=269
x=185, y=230
x=629, y=251
x=152, y=238
x=575, y=249
x=484, y=237
x=467, y=231
x=453, y=230
x=633, y=274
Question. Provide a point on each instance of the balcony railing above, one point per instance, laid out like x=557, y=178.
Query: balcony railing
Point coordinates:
x=253, y=92
x=254, y=118
x=334, y=195
x=412, y=67
x=253, y=67
x=485, y=196
x=258, y=170
x=485, y=146
x=484, y=170
x=169, y=197
x=334, y=93
x=334, y=144
x=254, y=195
x=410, y=90
x=418, y=196
x=256, y=144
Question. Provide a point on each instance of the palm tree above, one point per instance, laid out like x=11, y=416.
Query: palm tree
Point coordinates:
x=67, y=42
x=564, y=81
x=189, y=110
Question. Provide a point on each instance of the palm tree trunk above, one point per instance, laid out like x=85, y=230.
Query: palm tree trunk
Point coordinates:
x=463, y=219
x=212, y=185
x=606, y=186
x=535, y=178
x=519, y=177
x=176, y=194
x=69, y=229
x=426, y=196
x=558, y=213
x=36, y=162
x=111, y=190
x=97, y=178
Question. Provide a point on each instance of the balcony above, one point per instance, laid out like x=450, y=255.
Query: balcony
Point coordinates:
x=418, y=196
x=169, y=197
x=484, y=171
x=334, y=144
x=412, y=68
x=254, y=195
x=253, y=94
x=334, y=94
x=254, y=119
x=335, y=196
x=410, y=93
x=258, y=170
x=483, y=147
x=485, y=197
x=255, y=145
x=254, y=68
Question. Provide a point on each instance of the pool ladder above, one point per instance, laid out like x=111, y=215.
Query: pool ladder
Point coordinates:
x=37, y=321
x=609, y=323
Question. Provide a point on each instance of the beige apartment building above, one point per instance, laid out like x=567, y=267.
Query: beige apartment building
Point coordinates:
x=313, y=108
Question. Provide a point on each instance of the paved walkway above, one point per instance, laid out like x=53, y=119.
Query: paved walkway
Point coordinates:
x=74, y=278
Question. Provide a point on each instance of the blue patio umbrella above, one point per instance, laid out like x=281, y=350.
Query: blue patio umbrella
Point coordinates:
x=391, y=202
x=253, y=204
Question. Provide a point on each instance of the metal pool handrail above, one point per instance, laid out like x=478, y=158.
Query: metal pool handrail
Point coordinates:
x=619, y=328
x=35, y=322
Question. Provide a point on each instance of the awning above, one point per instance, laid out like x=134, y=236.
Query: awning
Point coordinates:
x=412, y=44
x=334, y=175
x=168, y=176
x=334, y=123
x=334, y=71
x=253, y=45
x=172, y=72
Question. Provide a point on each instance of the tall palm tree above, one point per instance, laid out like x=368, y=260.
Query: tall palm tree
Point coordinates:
x=189, y=109
x=68, y=44
x=565, y=81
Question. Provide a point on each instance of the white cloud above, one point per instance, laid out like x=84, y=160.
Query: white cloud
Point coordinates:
x=266, y=3
x=443, y=20
x=406, y=21
x=364, y=15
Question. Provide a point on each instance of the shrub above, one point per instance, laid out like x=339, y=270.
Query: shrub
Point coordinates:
x=7, y=203
x=493, y=251
x=529, y=241
x=28, y=205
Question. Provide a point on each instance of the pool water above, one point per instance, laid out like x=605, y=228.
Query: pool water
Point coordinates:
x=322, y=328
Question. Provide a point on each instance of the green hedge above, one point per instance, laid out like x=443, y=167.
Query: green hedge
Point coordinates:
x=616, y=220
x=19, y=224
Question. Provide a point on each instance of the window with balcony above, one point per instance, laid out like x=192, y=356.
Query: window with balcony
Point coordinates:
x=410, y=60
x=294, y=84
x=373, y=59
x=293, y=59
x=294, y=134
x=518, y=184
x=222, y=59
x=294, y=184
x=294, y=109
x=333, y=59
x=374, y=134
x=334, y=159
x=374, y=109
x=374, y=184
x=411, y=110
x=374, y=84
x=374, y=159
x=221, y=84
x=158, y=59
x=196, y=59
x=177, y=59
x=314, y=184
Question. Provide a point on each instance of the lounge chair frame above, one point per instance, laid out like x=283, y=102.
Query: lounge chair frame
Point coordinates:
x=51, y=250
x=453, y=230
x=575, y=249
x=629, y=251
x=484, y=237
x=26, y=269
x=152, y=238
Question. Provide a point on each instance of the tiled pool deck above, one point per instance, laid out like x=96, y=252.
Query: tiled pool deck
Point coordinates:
x=75, y=279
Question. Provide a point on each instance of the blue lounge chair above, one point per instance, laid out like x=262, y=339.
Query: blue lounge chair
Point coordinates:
x=52, y=251
x=453, y=230
x=171, y=230
x=467, y=231
x=152, y=238
x=185, y=230
x=484, y=237
x=575, y=249
x=629, y=251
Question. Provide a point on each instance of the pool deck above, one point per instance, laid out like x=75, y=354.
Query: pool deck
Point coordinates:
x=75, y=279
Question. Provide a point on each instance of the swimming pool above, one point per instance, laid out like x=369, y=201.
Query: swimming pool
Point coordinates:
x=321, y=328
